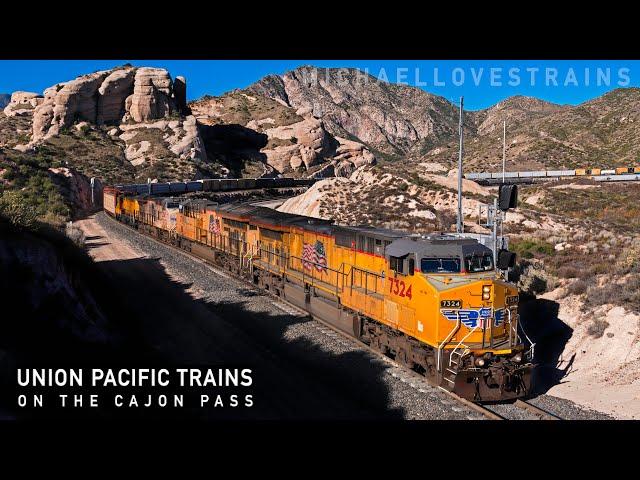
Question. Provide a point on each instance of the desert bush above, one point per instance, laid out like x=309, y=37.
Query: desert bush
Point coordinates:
x=16, y=208
x=629, y=260
x=578, y=287
x=534, y=281
x=528, y=248
x=75, y=234
x=597, y=328
x=568, y=271
x=626, y=295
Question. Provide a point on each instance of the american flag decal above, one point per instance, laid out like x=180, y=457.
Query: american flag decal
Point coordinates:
x=314, y=256
x=214, y=225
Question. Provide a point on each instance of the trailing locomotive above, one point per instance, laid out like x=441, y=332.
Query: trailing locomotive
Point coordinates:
x=435, y=304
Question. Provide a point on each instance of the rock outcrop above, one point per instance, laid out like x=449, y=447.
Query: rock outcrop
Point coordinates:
x=140, y=111
x=108, y=97
x=151, y=98
x=381, y=199
x=305, y=143
x=22, y=103
x=297, y=142
x=113, y=94
x=77, y=189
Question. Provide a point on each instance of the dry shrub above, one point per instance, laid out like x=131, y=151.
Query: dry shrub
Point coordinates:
x=597, y=328
x=75, y=234
x=578, y=287
x=568, y=271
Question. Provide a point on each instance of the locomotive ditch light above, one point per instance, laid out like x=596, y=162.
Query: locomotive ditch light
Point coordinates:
x=517, y=358
x=480, y=362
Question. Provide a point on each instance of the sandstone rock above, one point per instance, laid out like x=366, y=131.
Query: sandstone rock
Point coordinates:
x=136, y=153
x=113, y=93
x=189, y=145
x=138, y=94
x=77, y=100
x=22, y=103
x=309, y=144
x=151, y=98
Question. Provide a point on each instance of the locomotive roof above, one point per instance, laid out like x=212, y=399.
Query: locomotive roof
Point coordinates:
x=380, y=233
x=436, y=245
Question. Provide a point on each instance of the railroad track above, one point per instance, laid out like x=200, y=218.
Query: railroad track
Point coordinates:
x=294, y=309
x=541, y=414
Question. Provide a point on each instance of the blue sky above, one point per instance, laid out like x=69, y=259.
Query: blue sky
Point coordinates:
x=481, y=82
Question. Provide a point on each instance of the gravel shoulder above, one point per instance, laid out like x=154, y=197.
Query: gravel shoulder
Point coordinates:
x=306, y=370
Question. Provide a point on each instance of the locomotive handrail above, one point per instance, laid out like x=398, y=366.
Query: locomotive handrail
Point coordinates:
x=461, y=342
x=448, y=338
x=531, y=349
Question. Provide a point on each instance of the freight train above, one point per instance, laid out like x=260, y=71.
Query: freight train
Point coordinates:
x=434, y=303
x=594, y=173
x=214, y=185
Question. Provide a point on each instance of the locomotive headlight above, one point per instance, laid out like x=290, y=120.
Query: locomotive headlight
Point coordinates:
x=517, y=358
x=480, y=362
x=486, y=292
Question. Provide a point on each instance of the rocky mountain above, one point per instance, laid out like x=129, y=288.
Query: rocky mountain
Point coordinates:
x=399, y=122
x=5, y=98
x=393, y=119
x=276, y=138
x=600, y=132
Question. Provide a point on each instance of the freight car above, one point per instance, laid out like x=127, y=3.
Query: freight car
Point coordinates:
x=213, y=185
x=435, y=304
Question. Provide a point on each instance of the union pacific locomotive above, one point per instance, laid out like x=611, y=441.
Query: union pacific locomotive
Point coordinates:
x=434, y=303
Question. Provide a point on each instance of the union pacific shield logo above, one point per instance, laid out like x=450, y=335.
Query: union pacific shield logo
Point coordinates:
x=472, y=318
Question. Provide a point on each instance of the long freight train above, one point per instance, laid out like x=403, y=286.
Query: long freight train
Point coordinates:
x=435, y=304
x=597, y=174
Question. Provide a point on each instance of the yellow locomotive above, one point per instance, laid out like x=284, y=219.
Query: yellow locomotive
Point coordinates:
x=434, y=303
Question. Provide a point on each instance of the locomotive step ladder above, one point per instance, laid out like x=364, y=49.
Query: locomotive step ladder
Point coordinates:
x=455, y=357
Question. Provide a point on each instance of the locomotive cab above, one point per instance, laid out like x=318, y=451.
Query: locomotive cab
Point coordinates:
x=465, y=311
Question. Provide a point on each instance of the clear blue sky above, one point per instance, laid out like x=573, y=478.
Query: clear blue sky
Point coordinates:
x=482, y=83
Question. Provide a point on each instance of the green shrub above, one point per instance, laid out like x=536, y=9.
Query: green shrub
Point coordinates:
x=16, y=207
x=531, y=248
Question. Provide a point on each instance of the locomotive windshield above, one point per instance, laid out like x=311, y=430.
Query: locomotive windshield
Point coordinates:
x=440, y=265
x=479, y=263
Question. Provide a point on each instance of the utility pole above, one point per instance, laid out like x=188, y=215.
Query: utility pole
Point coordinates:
x=504, y=147
x=504, y=163
x=460, y=224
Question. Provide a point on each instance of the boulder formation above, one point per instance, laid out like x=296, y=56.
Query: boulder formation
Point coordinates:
x=295, y=142
x=123, y=94
x=22, y=103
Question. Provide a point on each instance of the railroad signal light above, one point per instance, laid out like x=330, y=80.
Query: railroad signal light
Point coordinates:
x=506, y=259
x=508, y=197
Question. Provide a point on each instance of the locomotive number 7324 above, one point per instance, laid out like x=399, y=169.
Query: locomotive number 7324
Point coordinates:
x=398, y=287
